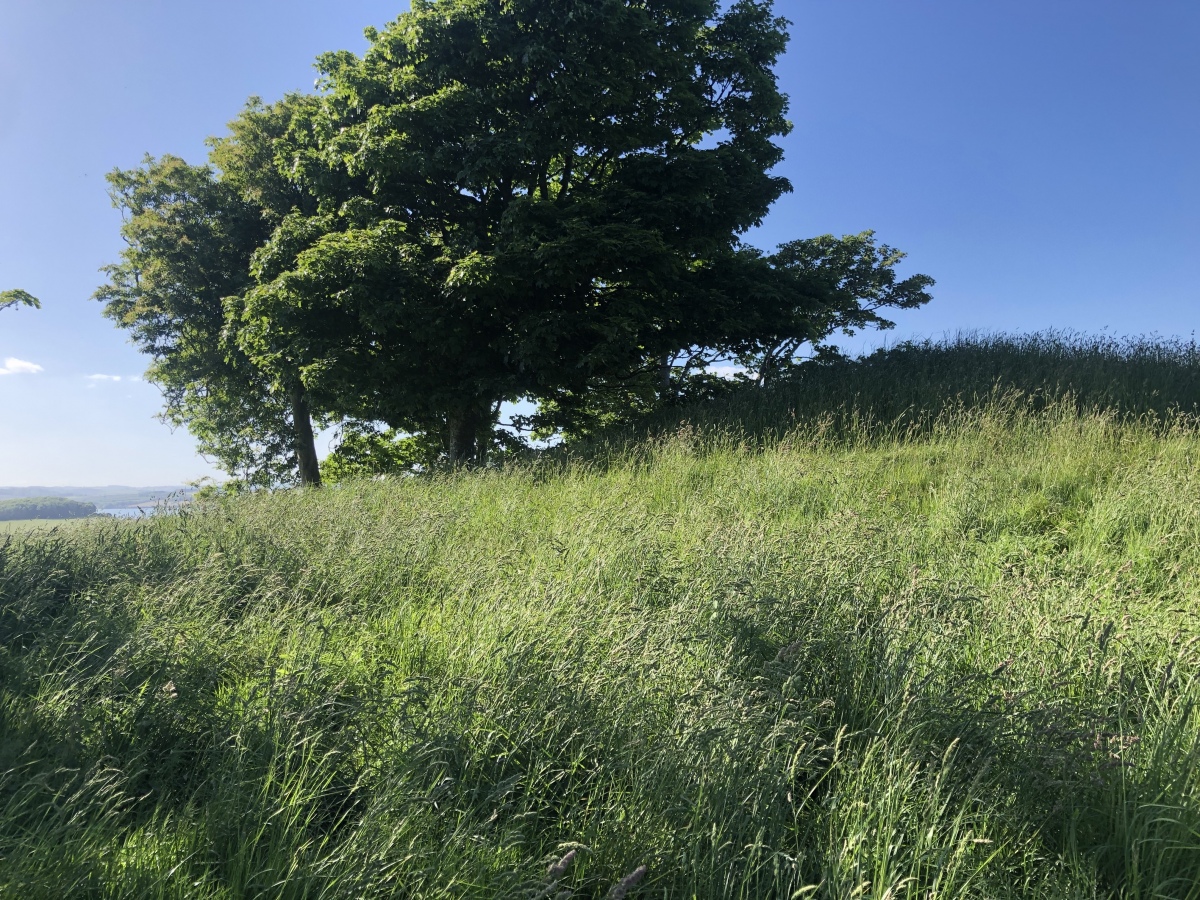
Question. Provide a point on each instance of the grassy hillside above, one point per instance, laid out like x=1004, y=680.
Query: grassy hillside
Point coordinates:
x=825, y=658
x=905, y=390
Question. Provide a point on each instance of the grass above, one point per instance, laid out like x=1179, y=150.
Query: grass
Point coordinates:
x=849, y=657
x=19, y=526
x=16, y=526
x=903, y=391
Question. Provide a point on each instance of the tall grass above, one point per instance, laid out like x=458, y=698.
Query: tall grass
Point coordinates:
x=907, y=388
x=955, y=661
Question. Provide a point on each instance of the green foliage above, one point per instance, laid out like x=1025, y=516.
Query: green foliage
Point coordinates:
x=960, y=660
x=364, y=452
x=44, y=508
x=496, y=201
x=854, y=280
x=18, y=297
x=192, y=233
x=805, y=292
x=513, y=202
x=189, y=238
x=902, y=388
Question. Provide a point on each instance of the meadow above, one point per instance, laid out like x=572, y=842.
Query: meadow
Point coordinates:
x=16, y=526
x=924, y=625
x=20, y=526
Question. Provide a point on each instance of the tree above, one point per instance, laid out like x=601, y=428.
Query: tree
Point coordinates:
x=519, y=198
x=364, y=451
x=44, y=508
x=191, y=236
x=852, y=277
x=249, y=161
x=497, y=200
x=18, y=297
x=807, y=291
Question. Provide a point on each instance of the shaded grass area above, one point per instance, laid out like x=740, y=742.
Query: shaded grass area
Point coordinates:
x=958, y=661
x=910, y=388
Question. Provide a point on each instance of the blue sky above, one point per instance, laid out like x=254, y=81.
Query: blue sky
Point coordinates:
x=1040, y=159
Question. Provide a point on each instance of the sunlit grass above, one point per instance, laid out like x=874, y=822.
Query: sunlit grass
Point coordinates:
x=19, y=526
x=957, y=660
x=16, y=526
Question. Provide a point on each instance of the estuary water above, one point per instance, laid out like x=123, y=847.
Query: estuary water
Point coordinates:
x=127, y=512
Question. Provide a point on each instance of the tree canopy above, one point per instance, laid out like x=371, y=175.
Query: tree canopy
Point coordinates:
x=495, y=201
x=191, y=234
x=18, y=297
x=510, y=207
x=44, y=508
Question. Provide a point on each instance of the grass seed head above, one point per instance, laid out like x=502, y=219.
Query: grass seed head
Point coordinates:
x=628, y=883
x=558, y=869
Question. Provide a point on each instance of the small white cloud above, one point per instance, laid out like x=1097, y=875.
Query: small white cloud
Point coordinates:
x=104, y=377
x=13, y=366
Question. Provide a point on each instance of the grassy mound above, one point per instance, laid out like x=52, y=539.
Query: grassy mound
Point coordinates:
x=910, y=388
x=882, y=661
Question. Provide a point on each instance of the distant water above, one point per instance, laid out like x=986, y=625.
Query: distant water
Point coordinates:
x=126, y=513
x=137, y=512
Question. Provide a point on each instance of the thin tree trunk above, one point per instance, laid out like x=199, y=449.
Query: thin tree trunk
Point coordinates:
x=305, y=442
x=664, y=377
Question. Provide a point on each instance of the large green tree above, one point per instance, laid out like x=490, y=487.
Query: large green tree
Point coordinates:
x=805, y=292
x=191, y=235
x=519, y=197
x=497, y=200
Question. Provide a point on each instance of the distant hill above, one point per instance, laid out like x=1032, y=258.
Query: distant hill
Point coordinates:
x=108, y=496
x=44, y=508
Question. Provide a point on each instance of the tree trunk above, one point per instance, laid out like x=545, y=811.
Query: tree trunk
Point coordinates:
x=305, y=443
x=665, y=392
x=462, y=435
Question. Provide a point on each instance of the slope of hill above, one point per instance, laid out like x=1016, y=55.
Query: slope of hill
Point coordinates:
x=824, y=655
x=907, y=389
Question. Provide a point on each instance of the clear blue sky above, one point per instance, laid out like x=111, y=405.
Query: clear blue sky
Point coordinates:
x=1040, y=159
